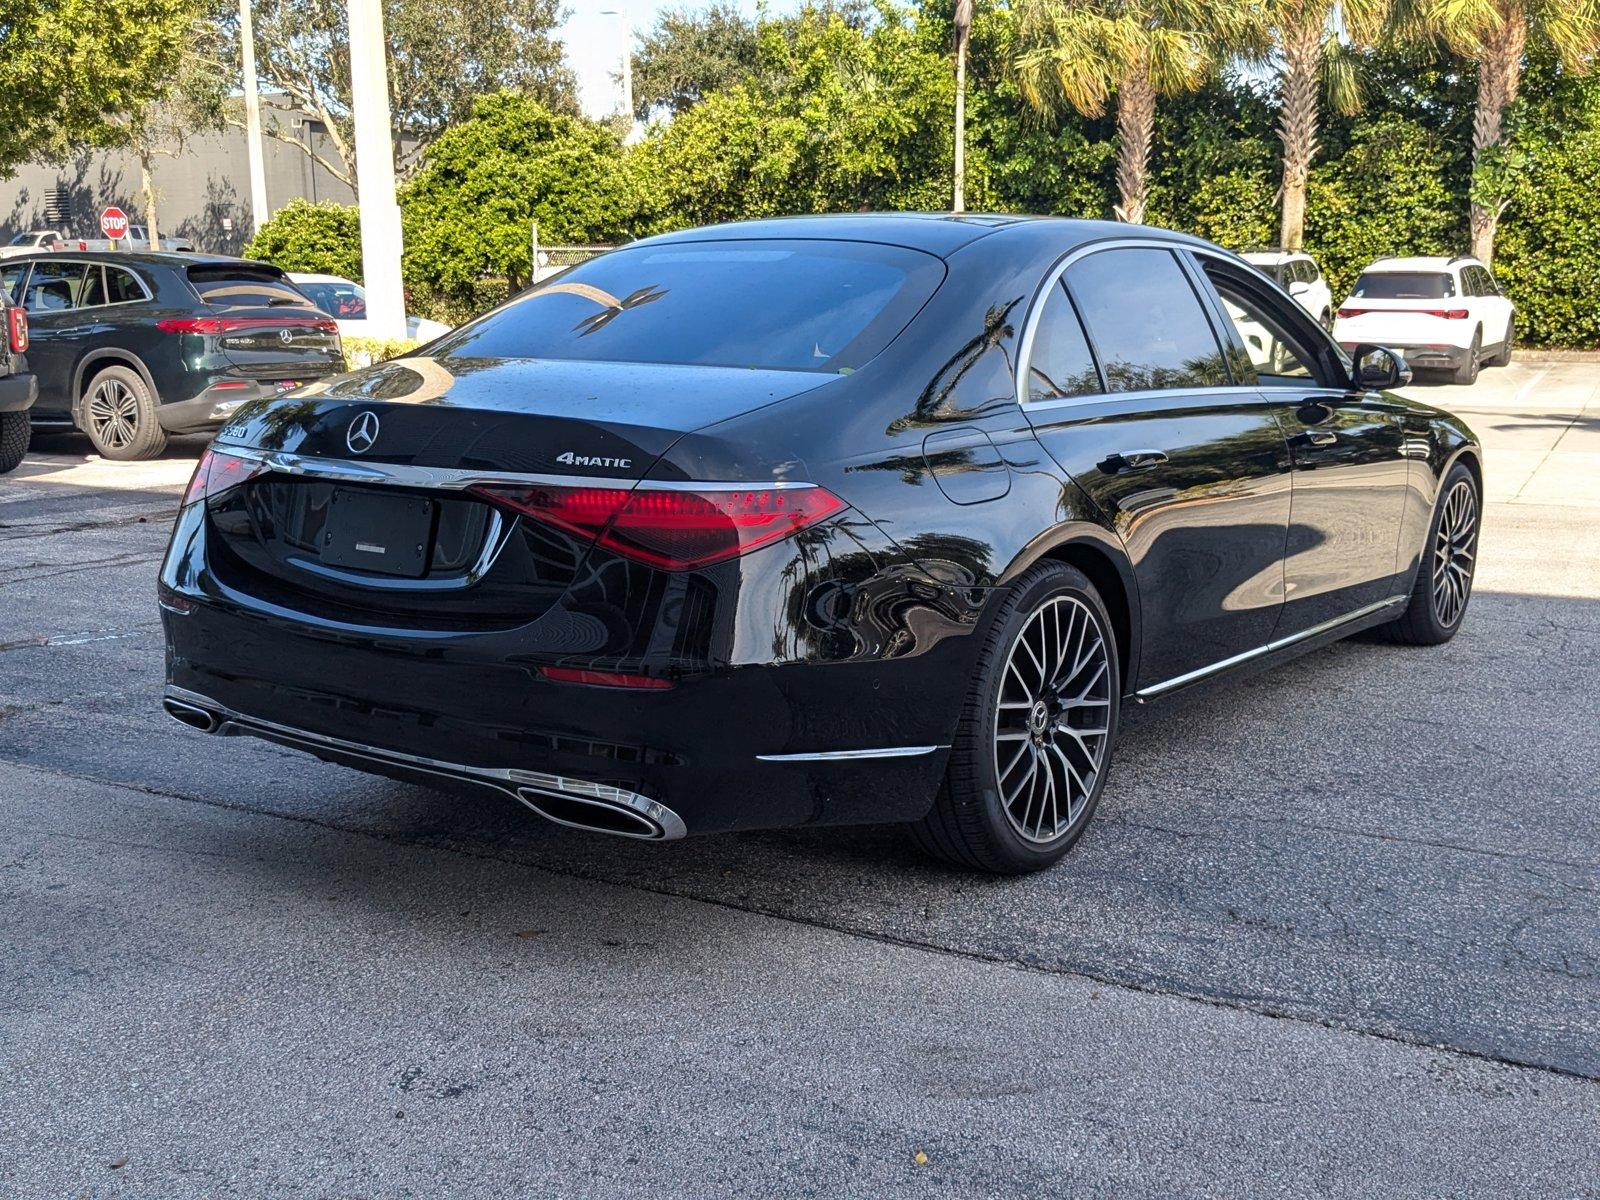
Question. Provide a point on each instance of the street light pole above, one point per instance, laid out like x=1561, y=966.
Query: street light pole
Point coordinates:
x=380, y=213
x=252, y=120
x=627, y=63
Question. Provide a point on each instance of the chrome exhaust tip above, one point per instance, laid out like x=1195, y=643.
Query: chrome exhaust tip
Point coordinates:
x=607, y=810
x=192, y=715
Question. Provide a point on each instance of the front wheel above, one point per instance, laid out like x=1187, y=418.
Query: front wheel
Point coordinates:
x=1035, y=735
x=15, y=432
x=1443, y=585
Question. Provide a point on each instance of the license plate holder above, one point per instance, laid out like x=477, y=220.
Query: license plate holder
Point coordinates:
x=386, y=535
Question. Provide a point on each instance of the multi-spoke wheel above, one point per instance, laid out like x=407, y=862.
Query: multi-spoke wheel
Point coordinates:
x=119, y=415
x=1444, y=575
x=1029, y=756
x=1050, y=719
x=1455, y=545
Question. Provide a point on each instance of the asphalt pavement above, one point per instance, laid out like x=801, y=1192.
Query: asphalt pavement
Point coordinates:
x=1333, y=932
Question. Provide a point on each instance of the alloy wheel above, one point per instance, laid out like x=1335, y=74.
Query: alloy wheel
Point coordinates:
x=1454, y=551
x=1052, y=719
x=114, y=414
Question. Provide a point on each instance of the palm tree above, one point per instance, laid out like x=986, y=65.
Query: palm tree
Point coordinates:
x=1496, y=34
x=1083, y=54
x=963, y=34
x=1308, y=41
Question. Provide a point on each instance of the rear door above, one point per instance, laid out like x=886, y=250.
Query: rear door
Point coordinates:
x=1347, y=446
x=1145, y=415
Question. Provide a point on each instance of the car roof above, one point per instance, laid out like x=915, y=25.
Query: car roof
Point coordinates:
x=148, y=258
x=1272, y=257
x=1420, y=262
x=941, y=234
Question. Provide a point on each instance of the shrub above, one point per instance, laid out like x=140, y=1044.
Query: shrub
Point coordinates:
x=364, y=351
x=321, y=238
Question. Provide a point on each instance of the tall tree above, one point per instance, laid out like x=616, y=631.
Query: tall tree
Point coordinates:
x=1496, y=34
x=1309, y=42
x=962, y=36
x=687, y=55
x=441, y=58
x=1132, y=50
x=71, y=71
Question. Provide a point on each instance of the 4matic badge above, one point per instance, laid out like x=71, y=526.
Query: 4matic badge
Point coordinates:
x=588, y=460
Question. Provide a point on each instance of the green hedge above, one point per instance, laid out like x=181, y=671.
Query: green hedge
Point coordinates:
x=323, y=239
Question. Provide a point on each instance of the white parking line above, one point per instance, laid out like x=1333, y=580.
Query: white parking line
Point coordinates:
x=1522, y=392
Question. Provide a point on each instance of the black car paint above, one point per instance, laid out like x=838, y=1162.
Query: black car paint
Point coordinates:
x=860, y=633
x=67, y=346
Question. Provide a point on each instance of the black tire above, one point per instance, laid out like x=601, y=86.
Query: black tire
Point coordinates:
x=1326, y=320
x=1426, y=621
x=119, y=415
x=15, y=433
x=1502, y=356
x=971, y=824
x=1467, y=372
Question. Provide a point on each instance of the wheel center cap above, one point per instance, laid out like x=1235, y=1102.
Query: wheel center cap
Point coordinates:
x=1038, y=717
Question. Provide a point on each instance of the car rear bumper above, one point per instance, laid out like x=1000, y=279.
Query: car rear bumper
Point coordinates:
x=18, y=392
x=1424, y=357
x=214, y=407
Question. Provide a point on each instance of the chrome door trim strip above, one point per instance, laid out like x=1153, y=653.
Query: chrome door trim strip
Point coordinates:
x=505, y=779
x=1216, y=668
x=341, y=470
x=851, y=755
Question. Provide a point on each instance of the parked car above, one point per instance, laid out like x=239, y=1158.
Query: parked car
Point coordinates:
x=814, y=520
x=346, y=302
x=31, y=240
x=130, y=347
x=1299, y=275
x=18, y=387
x=139, y=239
x=1443, y=313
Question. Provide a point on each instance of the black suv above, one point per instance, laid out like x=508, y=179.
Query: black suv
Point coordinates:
x=131, y=347
x=18, y=388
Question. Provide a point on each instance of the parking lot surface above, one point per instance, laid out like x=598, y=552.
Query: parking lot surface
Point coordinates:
x=1334, y=931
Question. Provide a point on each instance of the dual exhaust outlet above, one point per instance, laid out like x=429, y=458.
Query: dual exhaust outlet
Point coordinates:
x=575, y=803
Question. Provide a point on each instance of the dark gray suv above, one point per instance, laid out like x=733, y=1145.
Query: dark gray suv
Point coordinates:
x=132, y=347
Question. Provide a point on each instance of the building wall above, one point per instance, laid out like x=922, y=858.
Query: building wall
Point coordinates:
x=203, y=194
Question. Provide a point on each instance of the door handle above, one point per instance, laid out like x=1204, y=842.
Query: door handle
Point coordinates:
x=1319, y=437
x=1124, y=461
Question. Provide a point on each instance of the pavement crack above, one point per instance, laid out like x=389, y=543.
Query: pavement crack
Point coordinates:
x=1167, y=989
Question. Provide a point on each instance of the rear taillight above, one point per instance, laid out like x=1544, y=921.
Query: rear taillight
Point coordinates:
x=1351, y=312
x=676, y=529
x=1449, y=314
x=216, y=472
x=243, y=324
x=17, y=329
x=614, y=679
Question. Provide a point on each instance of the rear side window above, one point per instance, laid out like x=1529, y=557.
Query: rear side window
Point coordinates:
x=1404, y=285
x=239, y=285
x=1059, y=364
x=93, y=292
x=782, y=304
x=1146, y=322
x=121, y=286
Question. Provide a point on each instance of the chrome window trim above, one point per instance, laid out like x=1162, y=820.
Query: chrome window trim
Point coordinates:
x=459, y=478
x=1272, y=647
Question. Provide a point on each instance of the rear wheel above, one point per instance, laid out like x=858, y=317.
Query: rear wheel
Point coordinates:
x=15, y=432
x=1467, y=372
x=1502, y=356
x=119, y=415
x=1444, y=576
x=1031, y=748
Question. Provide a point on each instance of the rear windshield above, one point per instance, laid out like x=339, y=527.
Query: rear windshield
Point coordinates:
x=1404, y=285
x=244, y=286
x=346, y=301
x=779, y=304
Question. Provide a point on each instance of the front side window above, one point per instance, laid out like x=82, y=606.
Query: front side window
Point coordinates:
x=1146, y=322
x=780, y=304
x=54, y=286
x=1268, y=343
x=1059, y=364
x=1404, y=285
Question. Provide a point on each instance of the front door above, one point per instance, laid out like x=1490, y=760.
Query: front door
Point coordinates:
x=55, y=331
x=1347, y=447
x=1144, y=415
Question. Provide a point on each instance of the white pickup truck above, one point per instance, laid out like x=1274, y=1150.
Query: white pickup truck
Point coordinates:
x=54, y=239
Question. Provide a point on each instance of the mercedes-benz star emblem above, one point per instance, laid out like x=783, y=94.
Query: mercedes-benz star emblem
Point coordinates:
x=363, y=432
x=287, y=335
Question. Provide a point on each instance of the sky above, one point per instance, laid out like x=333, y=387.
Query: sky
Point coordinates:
x=594, y=43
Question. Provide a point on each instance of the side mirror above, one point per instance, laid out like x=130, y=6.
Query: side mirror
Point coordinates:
x=1299, y=287
x=1379, y=367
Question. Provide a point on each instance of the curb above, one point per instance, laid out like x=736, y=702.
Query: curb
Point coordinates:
x=1537, y=357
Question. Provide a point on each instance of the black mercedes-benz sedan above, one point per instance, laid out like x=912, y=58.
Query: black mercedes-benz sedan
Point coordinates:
x=869, y=518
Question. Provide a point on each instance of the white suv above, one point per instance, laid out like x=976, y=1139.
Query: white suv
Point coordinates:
x=1299, y=275
x=1441, y=313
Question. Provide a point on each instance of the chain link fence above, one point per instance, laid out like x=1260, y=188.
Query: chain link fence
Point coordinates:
x=552, y=260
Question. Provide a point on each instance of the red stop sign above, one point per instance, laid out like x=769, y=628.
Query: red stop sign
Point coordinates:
x=114, y=223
